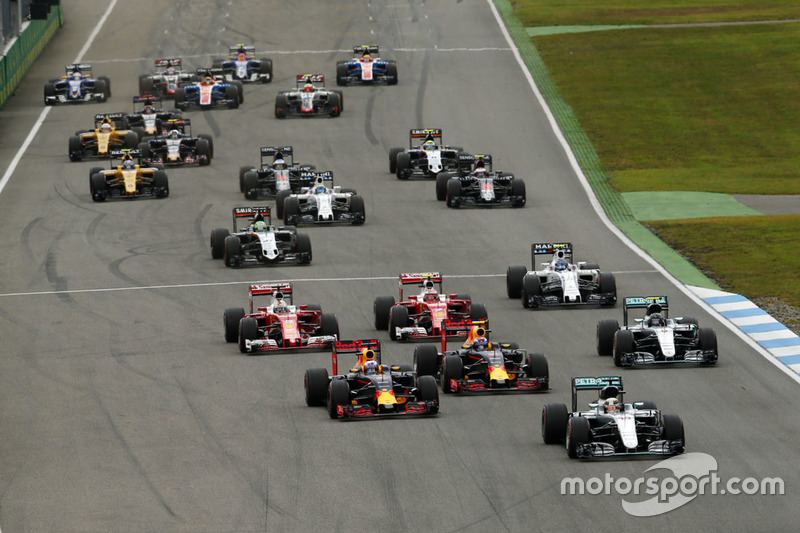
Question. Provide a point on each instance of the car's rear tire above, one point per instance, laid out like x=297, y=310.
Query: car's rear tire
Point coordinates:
x=426, y=360
x=316, y=385
x=381, y=306
x=131, y=140
x=230, y=319
x=606, y=329
x=554, y=423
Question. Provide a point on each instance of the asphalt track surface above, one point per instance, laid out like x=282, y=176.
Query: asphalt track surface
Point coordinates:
x=123, y=409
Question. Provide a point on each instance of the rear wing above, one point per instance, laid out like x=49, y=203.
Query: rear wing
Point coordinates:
x=169, y=62
x=148, y=99
x=469, y=162
x=310, y=178
x=276, y=290
x=210, y=71
x=470, y=328
x=302, y=79
x=598, y=383
x=270, y=153
x=371, y=49
x=84, y=68
x=651, y=304
x=367, y=349
x=118, y=119
x=426, y=280
x=559, y=250
x=249, y=214
x=120, y=154
x=248, y=49
x=434, y=134
x=183, y=125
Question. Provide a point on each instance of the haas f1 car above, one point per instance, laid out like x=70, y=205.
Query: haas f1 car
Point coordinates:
x=280, y=325
x=310, y=98
x=169, y=76
x=259, y=242
x=611, y=427
x=480, y=365
x=425, y=156
x=77, y=86
x=422, y=316
x=560, y=282
x=366, y=67
x=477, y=185
x=655, y=338
x=370, y=389
x=322, y=203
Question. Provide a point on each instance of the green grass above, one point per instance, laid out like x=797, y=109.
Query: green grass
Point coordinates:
x=579, y=12
x=711, y=109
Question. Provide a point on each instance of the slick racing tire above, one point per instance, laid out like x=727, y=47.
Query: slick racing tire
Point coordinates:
x=328, y=325
x=578, y=432
x=248, y=331
x=341, y=73
x=144, y=150
x=100, y=87
x=442, y=179
x=232, y=95
x=338, y=394
x=242, y=172
x=239, y=90
x=265, y=70
x=107, y=81
x=280, y=201
x=131, y=140
x=381, y=307
x=403, y=167
x=75, y=151
x=291, y=209
x=304, y=248
x=97, y=187
x=554, y=423
x=391, y=73
x=210, y=141
x=230, y=319
x=688, y=320
x=453, y=198
x=606, y=329
x=233, y=250
x=393, y=158
x=608, y=285
x=427, y=391
x=217, y=242
x=161, y=184
x=251, y=187
x=398, y=318
x=623, y=344
x=452, y=373
x=518, y=193
x=514, y=275
x=95, y=170
x=335, y=104
x=146, y=85
x=536, y=367
x=648, y=404
x=358, y=210
x=203, y=152
x=316, y=385
x=478, y=311
x=180, y=98
x=49, y=91
x=672, y=428
x=531, y=287
x=707, y=340
x=426, y=360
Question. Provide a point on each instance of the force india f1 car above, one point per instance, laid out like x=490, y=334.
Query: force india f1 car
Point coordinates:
x=310, y=98
x=656, y=338
x=560, y=282
x=104, y=139
x=259, y=243
x=480, y=365
x=209, y=93
x=611, y=427
x=278, y=172
x=128, y=179
x=147, y=119
x=177, y=147
x=279, y=325
x=366, y=68
x=242, y=65
x=77, y=86
x=425, y=157
x=168, y=77
x=477, y=185
x=370, y=389
x=422, y=316
x=323, y=203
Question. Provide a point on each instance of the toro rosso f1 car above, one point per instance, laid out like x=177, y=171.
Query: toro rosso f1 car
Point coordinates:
x=422, y=316
x=323, y=203
x=280, y=325
x=477, y=185
x=655, y=338
x=611, y=427
x=480, y=365
x=366, y=67
x=560, y=281
x=77, y=86
x=370, y=389
x=259, y=242
x=425, y=157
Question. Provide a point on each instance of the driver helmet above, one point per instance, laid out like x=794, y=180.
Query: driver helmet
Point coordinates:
x=561, y=265
x=148, y=109
x=208, y=80
x=429, y=145
x=371, y=367
x=170, y=71
x=480, y=172
x=308, y=88
x=656, y=320
x=279, y=164
x=480, y=344
x=128, y=163
x=280, y=305
x=174, y=135
x=260, y=226
x=105, y=127
x=242, y=56
x=431, y=296
x=76, y=75
x=320, y=189
x=611, y=405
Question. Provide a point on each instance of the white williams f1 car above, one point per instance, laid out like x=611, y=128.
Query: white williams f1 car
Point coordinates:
x=322, y=203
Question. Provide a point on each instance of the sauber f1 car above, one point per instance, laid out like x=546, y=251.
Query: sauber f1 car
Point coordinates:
x=425, y=156
x=104, y=139
x=370, y=389
x=280, y=325
x=167, y=79
x=242, y=65
x=611, y=427
x=209, y=92
x=323, y=203
x=259, y=242
x=177, y=147
x=77, y=86
x=477, y=185
x=366, y=67
x=147, y=119
x=656, y=338
x=421, y=316
x=128, y=179
x=560, y=281
x=480, y=365
x=310, y=98
x=278, y=172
